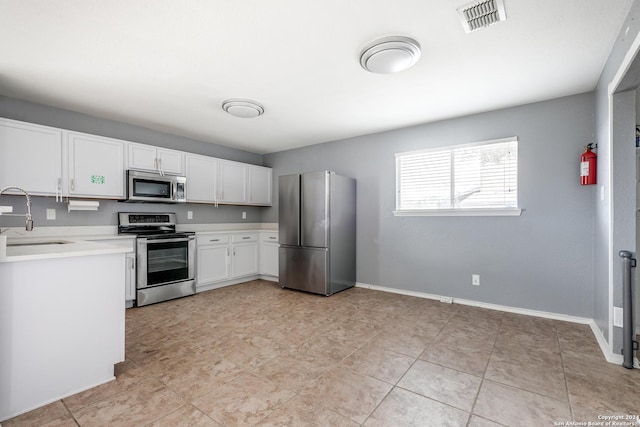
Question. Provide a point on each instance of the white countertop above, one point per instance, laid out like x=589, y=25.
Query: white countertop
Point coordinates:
x=70, y=248
x=82, y=240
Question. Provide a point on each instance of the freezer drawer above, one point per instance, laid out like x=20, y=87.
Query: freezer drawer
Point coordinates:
x=304, y=269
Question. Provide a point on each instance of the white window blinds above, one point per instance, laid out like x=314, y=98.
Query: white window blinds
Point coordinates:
x=480, y=176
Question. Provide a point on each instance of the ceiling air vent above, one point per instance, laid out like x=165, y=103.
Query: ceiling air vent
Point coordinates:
x=480, y=14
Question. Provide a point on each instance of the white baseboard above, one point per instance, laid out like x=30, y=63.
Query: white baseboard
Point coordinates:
x=217, y=285
x=506, y=308
x=604, y=347
x=602, y=342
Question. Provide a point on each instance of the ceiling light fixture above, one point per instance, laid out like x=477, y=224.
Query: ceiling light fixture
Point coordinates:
x=245, y=108
x=390, y=55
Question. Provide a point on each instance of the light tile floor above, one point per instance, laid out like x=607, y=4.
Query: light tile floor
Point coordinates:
x=255, y=354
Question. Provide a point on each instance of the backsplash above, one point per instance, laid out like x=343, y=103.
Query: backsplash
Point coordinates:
x=107, y=213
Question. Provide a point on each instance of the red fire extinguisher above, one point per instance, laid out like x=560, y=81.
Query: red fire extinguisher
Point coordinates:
x=588, y=166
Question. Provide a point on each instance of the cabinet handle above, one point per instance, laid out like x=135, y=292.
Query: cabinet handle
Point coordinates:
x=133, y=263
x=214, y=240
x=272, y=238
x=73, y=184
x=59, y=190
x=234, y=252
x=247, y=237
x=155, y=164
x=160, y=166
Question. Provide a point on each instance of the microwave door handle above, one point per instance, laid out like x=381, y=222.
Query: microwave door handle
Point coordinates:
x=175, y=191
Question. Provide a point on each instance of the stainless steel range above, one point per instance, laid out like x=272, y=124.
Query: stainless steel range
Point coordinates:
x=165, y=258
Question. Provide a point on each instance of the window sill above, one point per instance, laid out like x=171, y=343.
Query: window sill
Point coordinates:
x=459, y=212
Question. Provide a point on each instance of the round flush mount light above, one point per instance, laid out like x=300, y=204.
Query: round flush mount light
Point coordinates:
x=390, y=55
x=244, y=108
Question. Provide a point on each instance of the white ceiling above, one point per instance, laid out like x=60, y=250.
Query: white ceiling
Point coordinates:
x=168, y=64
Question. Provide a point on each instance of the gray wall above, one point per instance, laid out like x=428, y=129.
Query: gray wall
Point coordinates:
x=540, y=260
x=16, y=109
x=617, y=176
x=107, y=215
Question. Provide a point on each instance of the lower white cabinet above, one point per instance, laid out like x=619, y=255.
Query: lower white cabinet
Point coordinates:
x=130, y=279
x=269, y=254
x=130, y=271
x=244, y=260
x=212, y=260
x=223, y=257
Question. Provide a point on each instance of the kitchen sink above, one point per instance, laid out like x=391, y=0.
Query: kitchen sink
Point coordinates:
x=50, y=242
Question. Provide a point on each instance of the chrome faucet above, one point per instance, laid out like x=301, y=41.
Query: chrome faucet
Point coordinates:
x=29, y=223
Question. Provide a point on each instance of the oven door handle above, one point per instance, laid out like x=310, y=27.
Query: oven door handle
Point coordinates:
x=160, y=240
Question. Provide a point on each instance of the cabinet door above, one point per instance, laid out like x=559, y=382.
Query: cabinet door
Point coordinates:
x=143, y=157
x=31, y=157
x=260, y=185
x=245, y=259
x=269, y=259
x=96, y=166
x=202, y=173
x=171, y=161
x=212, y=264
x=130, y=278
x=233, y=182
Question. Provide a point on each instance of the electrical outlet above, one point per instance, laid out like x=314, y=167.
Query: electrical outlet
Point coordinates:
x=51, y=214
x=475, y=279
x=617, y=317
x=448, y=300
x=244, y=215
x=189, y=214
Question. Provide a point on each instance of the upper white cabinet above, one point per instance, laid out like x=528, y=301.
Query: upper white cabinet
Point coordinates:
x=202, y=177
x=161, y=160
x=233, y=182
x=96, y=166
x=259, y=185
x=48, y=161
x=31, y=157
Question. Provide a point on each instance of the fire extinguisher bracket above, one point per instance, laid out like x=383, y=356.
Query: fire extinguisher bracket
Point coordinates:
x=588, y=162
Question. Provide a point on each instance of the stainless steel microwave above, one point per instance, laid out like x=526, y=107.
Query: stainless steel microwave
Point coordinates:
x=153, y=187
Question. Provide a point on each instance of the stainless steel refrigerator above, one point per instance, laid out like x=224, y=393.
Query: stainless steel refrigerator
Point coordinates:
x=317, y=220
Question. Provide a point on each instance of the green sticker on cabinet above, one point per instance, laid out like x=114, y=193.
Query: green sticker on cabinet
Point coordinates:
x=97, y=179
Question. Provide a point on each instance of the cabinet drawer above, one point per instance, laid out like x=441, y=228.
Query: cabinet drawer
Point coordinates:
x=248, y=237
x=270, y=237
x=213, y=239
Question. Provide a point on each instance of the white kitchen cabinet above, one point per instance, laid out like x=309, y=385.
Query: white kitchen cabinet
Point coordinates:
x=156, y=159
x=213, y=259
x=96, y=166
x=202, y=178
x=130, y=279
x=233, y=182
x=31, y=157
x=259, y=185
x=130, y=266
x=269, y=254
x=244, y=259
x=222, y=257
x=62, y=328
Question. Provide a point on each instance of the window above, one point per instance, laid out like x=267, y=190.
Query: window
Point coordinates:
x=470, y=179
